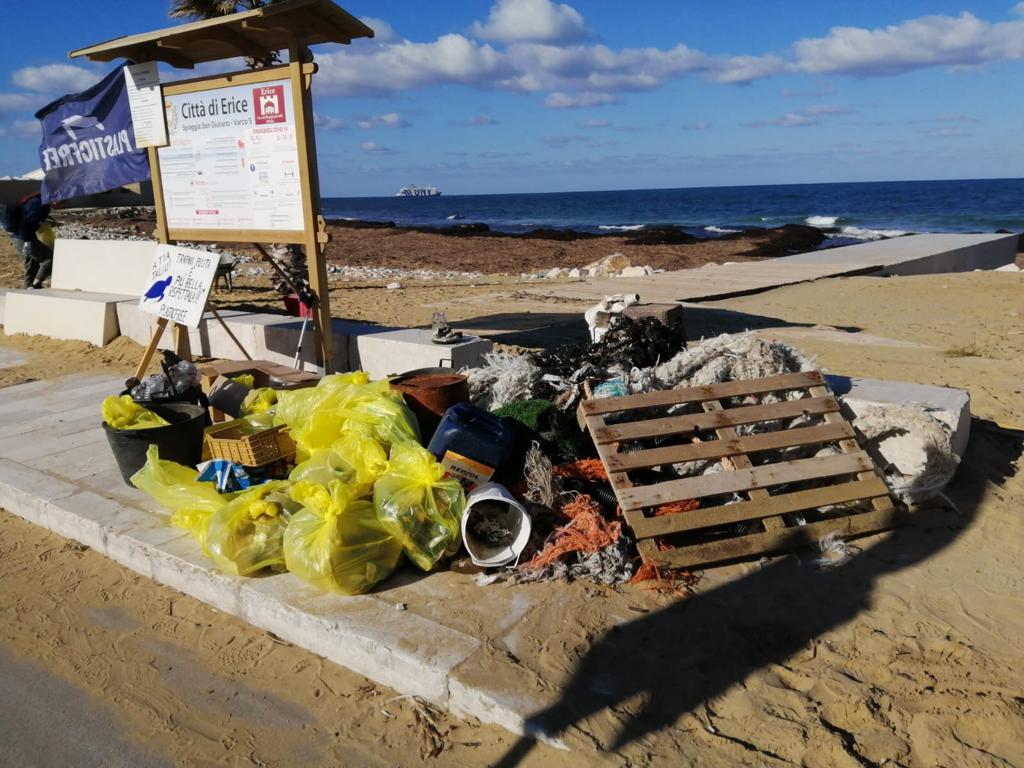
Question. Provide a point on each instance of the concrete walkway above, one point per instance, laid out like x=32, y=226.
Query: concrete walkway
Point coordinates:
x=57, y=471
x=911, y=255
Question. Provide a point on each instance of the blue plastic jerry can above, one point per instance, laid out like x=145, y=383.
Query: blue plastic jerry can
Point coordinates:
x=472, y=444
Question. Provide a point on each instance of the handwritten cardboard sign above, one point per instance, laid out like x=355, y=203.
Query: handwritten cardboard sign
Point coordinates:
x=179, y=285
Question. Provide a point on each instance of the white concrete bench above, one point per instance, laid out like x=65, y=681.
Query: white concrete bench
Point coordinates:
x=90, y=278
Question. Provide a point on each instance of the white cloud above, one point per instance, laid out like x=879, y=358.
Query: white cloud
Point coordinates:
x=55, y=78
x=558, y=100
x=1018, y=9
x=828, y=109
x=926, y=41
x=531, y=55
x=20, y=102
x=595, y=124
x=451, y=59
x=747, y=69
x=372, y=147
x=698, y=126
x=531, y=20
x=811, y=115
x=481, y=120
x=788, y=120
x=387, y=120
x=382, y=31
x=328, y=123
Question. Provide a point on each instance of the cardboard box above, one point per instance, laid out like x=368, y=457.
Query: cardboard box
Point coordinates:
x=264, y=373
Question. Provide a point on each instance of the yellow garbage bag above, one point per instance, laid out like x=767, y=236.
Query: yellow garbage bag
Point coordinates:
x=388, y=419
x=335, y=541
x=418, y=506
x=341, y=404
x=246, y=535
x=124, y=413
x=259, y=401
x=354, y=459
x=344, y=379
x=175, y=487
x=245, y=379
x=46, y=235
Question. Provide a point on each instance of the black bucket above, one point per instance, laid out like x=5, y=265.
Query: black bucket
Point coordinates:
x=180, y=441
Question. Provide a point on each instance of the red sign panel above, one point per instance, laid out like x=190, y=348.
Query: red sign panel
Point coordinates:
x=269, y=103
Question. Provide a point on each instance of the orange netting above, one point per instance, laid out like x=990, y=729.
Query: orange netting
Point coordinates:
x=662, y=579
x=587, y=469
x=675, y=507
x=586, y=531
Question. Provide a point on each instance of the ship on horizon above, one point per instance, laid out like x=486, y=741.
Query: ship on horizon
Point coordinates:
x=413, y=191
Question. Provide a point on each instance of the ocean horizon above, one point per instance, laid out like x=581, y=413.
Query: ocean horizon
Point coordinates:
x=846, y=210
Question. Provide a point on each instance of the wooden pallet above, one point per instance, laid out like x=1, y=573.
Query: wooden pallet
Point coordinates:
x=709, y=535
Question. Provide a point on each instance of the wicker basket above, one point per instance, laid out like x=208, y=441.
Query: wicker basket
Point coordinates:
x=230, y=441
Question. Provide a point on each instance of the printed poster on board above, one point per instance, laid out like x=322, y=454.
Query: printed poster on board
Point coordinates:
x=233, y=160
x=179, y=284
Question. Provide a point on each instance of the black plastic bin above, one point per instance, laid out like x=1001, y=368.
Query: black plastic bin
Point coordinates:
x=180, y=441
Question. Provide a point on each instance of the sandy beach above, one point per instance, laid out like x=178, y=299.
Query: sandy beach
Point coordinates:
x=909, y=655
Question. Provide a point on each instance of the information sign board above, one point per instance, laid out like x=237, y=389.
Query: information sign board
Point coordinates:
x=180, y=283
x=233, y=159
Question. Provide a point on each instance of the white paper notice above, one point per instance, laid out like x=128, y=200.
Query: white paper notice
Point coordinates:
x=233, y=159
x=179, y=284
x=146, y=103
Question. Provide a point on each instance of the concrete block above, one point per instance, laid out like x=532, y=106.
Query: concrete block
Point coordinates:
x=44, y=445
x=383, y=351
x=89, y=518
x=28, y=492
x=106, y=481
x=396, y=648
x=209, y=339
x=179, y=563
x=930, y=254
x=103, y=266
x=135, y=547
x=473, y=693
x=69, y=315
x=3, y=302
x=276, y=338
x=951, y=406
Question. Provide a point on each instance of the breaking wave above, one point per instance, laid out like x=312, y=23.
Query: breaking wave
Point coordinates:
x=863, y=233
x=821, y=221
x=621, y=227
x=721, y=230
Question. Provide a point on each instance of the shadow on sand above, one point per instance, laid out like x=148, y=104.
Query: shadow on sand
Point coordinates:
x=682, y=656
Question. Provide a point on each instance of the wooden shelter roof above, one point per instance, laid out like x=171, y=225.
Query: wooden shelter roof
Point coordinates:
x=252, y=33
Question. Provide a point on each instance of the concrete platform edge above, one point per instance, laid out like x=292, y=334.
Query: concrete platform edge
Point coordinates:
x=145, y=543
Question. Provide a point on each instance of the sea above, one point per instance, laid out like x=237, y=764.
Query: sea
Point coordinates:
x=854, y=211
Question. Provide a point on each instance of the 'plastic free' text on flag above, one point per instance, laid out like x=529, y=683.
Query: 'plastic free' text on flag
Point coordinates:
x=89, y=143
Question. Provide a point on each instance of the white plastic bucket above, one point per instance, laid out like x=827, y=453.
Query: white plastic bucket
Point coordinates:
x=492, y=504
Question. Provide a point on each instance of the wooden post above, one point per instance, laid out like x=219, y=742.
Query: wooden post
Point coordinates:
x=147, y=357
x=316, y=236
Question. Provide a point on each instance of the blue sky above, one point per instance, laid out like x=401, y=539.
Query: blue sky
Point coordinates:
x=534, y=96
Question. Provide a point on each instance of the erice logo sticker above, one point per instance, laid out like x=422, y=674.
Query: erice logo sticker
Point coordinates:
x=269, y=101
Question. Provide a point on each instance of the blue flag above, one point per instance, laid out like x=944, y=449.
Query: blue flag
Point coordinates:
x=89, y=142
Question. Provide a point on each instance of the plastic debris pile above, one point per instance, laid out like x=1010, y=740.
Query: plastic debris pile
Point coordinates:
x=364, y=491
